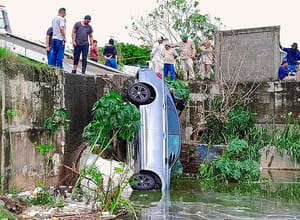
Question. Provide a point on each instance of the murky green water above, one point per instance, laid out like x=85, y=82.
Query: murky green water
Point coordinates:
x=277, y=198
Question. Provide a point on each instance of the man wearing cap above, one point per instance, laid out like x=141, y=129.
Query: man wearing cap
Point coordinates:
x=187, y=55
x=292, y=56
x=156, y=54
x=82, y=33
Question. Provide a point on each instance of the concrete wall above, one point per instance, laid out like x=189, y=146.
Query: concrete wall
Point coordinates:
x=272, y=101
x=248, y=54
x=34, y=94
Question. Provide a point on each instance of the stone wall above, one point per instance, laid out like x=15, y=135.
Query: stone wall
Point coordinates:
x=271, y=101
x=248, y=54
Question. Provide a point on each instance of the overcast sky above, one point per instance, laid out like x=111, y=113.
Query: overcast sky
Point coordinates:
x=31, y=18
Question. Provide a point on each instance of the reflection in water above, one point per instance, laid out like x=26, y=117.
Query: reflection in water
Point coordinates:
x=192, y=199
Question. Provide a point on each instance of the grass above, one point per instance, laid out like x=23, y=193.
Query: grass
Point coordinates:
x=6, y=54
x=6, y=215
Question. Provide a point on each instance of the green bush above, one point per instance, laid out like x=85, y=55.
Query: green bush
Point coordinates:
x=236, y=164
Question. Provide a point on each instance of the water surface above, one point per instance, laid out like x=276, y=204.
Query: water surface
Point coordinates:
x=276, y=198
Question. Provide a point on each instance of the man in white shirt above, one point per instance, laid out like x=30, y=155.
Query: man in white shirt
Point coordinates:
x=156, y=54
x=58, y=39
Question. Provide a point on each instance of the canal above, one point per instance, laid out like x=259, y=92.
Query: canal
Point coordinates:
x=277, y=196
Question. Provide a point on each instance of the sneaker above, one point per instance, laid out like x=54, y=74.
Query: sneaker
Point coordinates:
x=73, y=71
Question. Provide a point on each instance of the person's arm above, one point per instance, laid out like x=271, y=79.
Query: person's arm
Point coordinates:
x=47, y=43
x=175, y=54
x=96, y=49
x=115, y=51
x=63, y=33
x=193, y=51
x=62, y=29
x=91, y=39
x=74, y=36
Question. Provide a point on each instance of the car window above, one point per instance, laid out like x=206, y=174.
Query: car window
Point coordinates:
x=172, y=117
x=173, y=128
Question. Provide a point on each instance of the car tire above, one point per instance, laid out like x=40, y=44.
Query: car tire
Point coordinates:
x=143, y=181
x=139, y=93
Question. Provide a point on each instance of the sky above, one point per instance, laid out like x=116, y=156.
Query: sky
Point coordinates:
x=31, y=18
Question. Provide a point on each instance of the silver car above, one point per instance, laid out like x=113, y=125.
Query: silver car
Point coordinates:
x=157, y=147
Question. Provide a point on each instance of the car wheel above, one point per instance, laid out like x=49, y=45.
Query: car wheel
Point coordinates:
x=143, y=181
x=139, y=93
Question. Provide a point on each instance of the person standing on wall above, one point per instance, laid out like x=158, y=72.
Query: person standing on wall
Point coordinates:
x=187, y=56
x=206, y=59
x=110, y=54
x=82, y=33
x=58, y=39
x=94, y=51
x=49, y=34
x=156, y=54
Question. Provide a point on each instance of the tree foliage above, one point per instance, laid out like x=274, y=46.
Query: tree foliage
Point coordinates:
x=130, y=54
x=171, y=19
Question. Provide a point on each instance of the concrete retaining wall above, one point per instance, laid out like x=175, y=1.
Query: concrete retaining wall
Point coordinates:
x=34, y=94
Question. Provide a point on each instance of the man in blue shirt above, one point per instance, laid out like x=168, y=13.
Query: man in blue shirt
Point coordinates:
x=292, y=56
x=284, y=73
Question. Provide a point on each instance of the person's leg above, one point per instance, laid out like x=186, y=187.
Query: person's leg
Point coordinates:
x=85, y=51
x=165, y=69
x=292, y=68
x=190, y=67
x=172, y=72
x=107, y=63
x=49, y=56
x=202, y=71
x=54, y=50
x=76, y=55
x=184, y=68
x=113, y=63
x=60, y=54
x=155, y=66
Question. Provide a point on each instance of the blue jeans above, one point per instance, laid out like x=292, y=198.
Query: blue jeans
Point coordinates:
x=57, y=53
x=112, y=62
x=292, y=68
x=83, y=50
x=169, y=68
x=49, y=56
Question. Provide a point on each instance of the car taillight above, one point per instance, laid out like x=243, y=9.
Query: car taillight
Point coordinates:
x=159, y=75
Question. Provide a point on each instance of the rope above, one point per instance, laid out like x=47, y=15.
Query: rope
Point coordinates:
x=130, y=58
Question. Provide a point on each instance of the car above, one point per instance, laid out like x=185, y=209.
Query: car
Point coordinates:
x=158, y=144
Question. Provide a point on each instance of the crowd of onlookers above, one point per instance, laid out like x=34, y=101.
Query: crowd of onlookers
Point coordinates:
x=164, y=56
x=82, y=41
